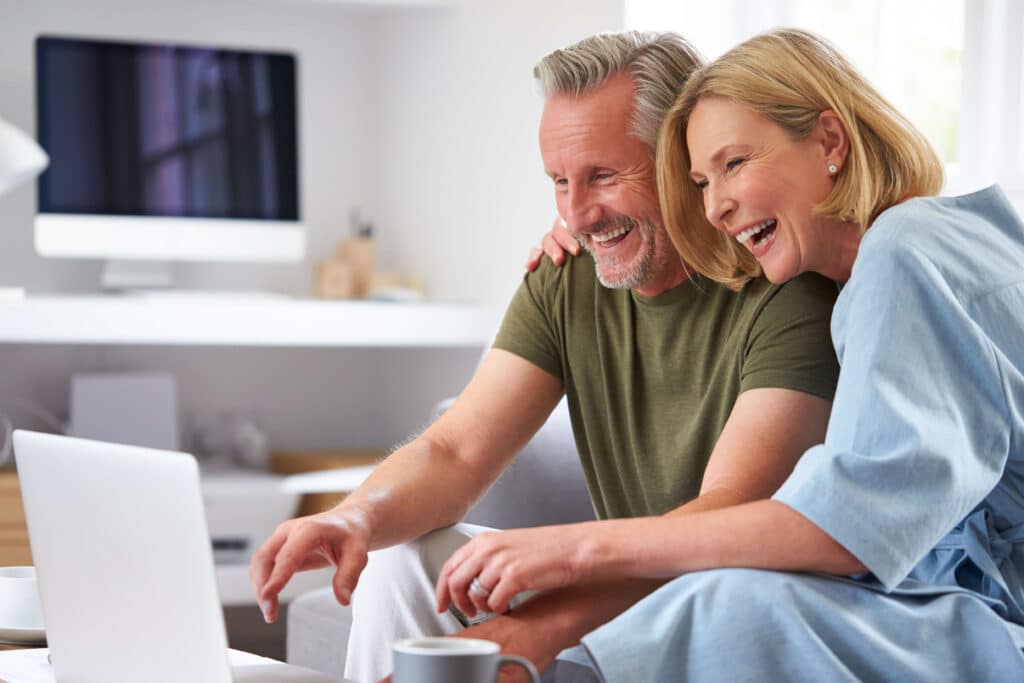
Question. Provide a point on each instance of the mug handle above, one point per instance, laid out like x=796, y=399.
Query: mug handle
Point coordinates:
x=523, y=662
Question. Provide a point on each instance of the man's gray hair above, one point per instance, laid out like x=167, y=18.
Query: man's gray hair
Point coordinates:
x=659, y=63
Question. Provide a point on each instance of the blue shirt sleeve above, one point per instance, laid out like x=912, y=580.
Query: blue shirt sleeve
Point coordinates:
x=919, y=432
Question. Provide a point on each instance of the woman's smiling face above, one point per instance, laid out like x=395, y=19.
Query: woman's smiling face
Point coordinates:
x=761, y=186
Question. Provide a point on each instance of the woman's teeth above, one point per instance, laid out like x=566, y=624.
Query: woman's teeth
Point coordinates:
x=750, y=232
x=610, y=235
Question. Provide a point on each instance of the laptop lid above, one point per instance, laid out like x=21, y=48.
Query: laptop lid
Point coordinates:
x=124, y=561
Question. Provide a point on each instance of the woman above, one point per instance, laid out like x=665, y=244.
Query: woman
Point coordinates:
x=895, y=551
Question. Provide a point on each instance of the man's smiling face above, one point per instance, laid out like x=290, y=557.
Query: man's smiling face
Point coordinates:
x=605, y=187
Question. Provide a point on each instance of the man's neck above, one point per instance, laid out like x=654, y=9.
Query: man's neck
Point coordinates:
x=671, y=277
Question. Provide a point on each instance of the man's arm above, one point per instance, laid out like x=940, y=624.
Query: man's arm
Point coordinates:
x=766, y=433
x=428, y=484
x=434, y=480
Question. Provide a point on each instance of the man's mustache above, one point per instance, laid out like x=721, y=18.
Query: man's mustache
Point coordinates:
x=605, y=225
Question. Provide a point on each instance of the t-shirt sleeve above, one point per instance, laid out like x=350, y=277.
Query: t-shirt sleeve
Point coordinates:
x=789, y=345
x=919, y=431
x=528, y=328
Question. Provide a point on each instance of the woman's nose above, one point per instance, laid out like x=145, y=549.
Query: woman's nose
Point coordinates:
x=717, y=206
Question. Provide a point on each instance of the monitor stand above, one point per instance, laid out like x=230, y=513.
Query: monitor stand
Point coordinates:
x=124, y=275
x=155, y=280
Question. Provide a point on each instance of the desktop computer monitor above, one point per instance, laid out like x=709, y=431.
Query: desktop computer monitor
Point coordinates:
x=162, y=153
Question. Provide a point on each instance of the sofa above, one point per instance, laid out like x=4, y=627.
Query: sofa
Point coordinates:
x=544, y=485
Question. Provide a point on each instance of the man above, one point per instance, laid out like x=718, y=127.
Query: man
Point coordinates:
x=684, y=395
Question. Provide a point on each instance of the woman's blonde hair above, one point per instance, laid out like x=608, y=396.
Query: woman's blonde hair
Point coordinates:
x=791, y=76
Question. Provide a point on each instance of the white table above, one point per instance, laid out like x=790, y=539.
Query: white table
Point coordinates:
x=32, y=666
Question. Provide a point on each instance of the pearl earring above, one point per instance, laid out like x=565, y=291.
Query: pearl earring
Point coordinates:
x=833, y=169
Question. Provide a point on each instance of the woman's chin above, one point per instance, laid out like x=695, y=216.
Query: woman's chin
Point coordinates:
x=777, y=273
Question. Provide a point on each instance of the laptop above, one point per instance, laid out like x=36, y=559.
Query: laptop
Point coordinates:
x=125, y=566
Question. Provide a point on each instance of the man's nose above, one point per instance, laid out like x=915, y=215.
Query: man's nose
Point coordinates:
x=580, y=211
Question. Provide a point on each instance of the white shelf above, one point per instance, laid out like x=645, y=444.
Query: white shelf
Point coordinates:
x=384, y=4
x=242, y=322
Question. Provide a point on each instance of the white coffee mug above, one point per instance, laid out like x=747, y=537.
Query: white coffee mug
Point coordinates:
x=444, y=660
x=19, y=599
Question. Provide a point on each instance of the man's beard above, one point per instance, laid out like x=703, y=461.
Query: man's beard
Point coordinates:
x=643, y=264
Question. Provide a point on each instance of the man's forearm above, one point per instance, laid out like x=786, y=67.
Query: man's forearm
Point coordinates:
x=421, y=487
x=432, y=482
x=554, y=621
x=576, y=611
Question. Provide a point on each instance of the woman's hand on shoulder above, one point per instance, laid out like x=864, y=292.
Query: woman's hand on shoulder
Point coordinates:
x=555, y=244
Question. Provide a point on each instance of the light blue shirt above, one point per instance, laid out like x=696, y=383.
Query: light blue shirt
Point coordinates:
x=927, y=428
x=921, y=477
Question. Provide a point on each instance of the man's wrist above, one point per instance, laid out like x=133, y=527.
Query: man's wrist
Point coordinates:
x=551, y=626
x=356, y=516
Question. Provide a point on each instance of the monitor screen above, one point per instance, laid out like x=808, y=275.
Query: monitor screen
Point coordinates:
x=166, y=131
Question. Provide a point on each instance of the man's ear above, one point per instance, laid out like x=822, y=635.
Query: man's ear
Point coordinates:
x=832, y=134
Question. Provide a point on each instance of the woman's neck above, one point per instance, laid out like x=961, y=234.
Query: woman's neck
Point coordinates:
x=841, y=251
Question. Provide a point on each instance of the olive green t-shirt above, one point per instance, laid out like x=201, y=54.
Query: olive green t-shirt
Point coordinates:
x=651, y=380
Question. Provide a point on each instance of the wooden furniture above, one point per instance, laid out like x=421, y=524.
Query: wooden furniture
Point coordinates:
x=14, y=549
x=315, y=461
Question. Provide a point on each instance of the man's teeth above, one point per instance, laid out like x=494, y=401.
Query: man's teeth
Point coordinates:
x=750, y=232
x=610, y=235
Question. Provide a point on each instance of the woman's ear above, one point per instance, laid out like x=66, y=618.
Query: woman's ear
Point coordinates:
x=832, y=135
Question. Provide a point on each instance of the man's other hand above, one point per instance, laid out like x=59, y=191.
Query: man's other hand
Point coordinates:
x=338, y=538
x=555, y=243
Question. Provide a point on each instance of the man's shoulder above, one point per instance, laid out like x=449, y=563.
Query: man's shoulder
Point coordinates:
x=806, y=293
x=577, y=274
x=581, y=266
x=549, y=308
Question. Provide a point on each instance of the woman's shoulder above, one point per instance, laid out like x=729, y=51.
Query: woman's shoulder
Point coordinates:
x=970, y=217
x=967, y=237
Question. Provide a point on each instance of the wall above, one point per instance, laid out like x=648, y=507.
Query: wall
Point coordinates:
x=424, y=117
x=462, y=195
x=331, y=112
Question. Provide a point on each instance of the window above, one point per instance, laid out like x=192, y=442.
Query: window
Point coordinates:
x=993, y=102
x=954, y=67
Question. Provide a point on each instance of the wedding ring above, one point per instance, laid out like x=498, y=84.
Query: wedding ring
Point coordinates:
x=477, y=588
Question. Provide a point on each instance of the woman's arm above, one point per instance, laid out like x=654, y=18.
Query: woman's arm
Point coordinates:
x=764, y=534
x=741, y=469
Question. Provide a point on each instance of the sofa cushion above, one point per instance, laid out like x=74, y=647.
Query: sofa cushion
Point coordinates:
x=543, y=485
